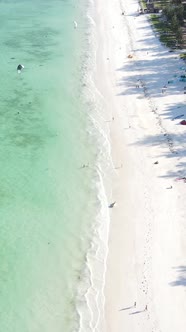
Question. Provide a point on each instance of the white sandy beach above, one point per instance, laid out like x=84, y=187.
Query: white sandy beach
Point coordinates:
x=147, y=248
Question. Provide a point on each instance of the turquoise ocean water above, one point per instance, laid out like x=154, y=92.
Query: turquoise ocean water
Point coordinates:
x=47, y=202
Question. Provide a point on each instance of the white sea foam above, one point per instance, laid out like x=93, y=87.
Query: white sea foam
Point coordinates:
x=90, y=294
x=91, y=20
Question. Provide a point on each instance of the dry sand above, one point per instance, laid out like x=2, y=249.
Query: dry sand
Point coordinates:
x=147, y=243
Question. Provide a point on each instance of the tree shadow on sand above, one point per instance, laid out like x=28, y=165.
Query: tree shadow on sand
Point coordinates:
x=173, y=146
x=149, y=62
x=181, y=280
x=148, y=70
x=173, y=143
x=144, y=75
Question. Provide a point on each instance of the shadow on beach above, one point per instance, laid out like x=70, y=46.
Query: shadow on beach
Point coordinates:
x=137, y=312
x=127, y=308
x=176, y=142
x=181, y=280
x=150, y=88
x=152, y=81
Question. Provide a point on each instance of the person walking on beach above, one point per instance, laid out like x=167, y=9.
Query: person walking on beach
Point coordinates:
x=146, y=307
x=134, y=304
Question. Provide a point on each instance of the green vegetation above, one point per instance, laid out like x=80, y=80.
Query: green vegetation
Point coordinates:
x=167, y=36
x=143, y=4
x=170, y=24
x=183, y=56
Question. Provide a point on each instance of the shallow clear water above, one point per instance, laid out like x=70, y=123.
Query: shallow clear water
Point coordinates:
x=47, y=202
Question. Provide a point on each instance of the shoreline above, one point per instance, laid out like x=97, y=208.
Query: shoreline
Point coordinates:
x=148, y=218
x=90, y=292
